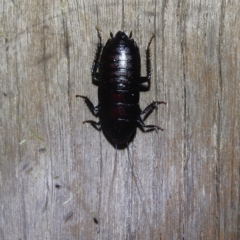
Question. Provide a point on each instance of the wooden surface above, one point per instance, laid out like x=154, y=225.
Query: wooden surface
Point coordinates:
x=60, y=179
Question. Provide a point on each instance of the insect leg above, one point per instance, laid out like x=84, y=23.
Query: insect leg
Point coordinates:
x=148, y=57
x=96, y=125
x=148, y=68
x=149, y=109
x=147, y=128
x=95, y=65
x=94, y=110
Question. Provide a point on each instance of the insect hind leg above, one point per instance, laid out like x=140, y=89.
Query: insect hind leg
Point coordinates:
x=94, y=110
x=146, y=112
x=147, y=128
x=149, y=109
x=96, y=125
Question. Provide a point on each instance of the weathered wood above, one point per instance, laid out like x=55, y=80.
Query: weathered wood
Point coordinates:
x=60, y=179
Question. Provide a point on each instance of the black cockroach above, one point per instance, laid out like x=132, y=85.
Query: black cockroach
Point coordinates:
x=116, y=71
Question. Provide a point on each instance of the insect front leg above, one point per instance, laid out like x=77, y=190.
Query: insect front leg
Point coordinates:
x=147, y=79
x=94, y=110
x=95, y=65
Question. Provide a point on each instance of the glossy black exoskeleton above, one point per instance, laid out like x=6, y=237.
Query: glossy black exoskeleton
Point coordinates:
x=116, y=71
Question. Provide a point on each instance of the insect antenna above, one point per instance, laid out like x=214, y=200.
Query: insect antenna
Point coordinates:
x=137, y=183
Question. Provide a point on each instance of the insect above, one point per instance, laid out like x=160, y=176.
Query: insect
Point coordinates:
x=116, y=70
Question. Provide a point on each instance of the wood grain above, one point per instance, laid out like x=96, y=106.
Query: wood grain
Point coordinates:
x=60, y=179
